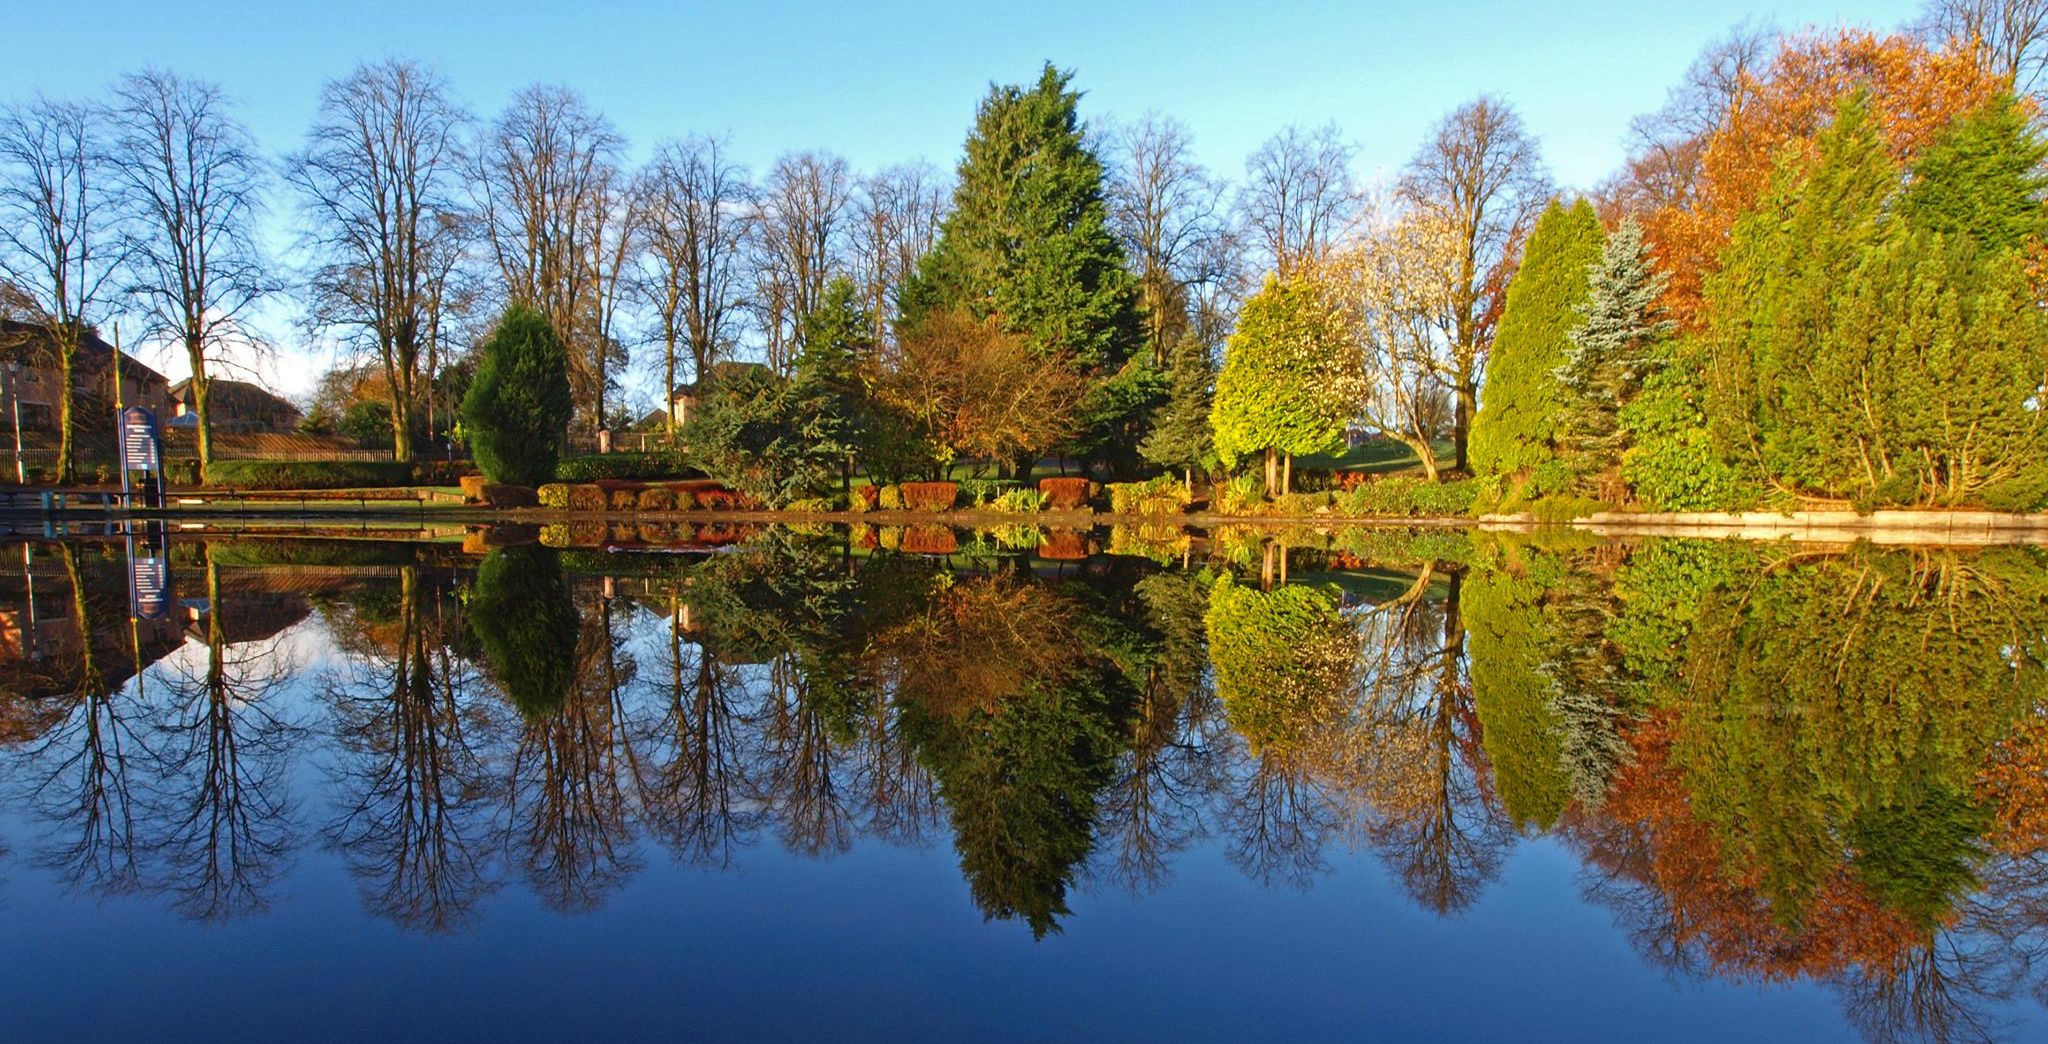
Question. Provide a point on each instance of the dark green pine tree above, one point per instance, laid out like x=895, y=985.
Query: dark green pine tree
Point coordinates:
x=1028, y=239
x=1613, y=350
x=1516, y=428
x=1982, y=180
x=1180, y=435
x=516, y=411
x=838, y=334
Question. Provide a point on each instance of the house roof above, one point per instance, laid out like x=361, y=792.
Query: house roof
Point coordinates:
x=237, y=396
x=30, y=343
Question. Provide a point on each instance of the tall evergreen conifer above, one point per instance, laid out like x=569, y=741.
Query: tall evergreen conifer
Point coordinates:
x=1517, y=424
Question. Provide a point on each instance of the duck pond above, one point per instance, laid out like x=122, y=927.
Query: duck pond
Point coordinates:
x=756, y=782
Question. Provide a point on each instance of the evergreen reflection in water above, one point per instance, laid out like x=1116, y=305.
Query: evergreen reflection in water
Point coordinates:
x=1774, y=763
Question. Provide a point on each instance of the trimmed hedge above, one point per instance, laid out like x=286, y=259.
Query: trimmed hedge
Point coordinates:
x=655, y=498
x=1066, y=494
x=622, y=466
x=930, y=496
x=1410, y=497
x=308, y=474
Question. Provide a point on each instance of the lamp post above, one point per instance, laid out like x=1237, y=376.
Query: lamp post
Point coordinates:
x=14, y=396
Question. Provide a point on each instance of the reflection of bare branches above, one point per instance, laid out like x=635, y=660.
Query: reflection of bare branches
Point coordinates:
x=692, y=774
x=567, y=800
x=798, y=781
x=81, y=771
x=1421, y=761
x=1279, y=820
x=410, y=828
x=1152, y=808
x=1935, y=992
x=226, y=818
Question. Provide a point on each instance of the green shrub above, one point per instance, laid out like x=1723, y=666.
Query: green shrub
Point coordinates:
x=1021, y=502
x=864, y=498
x=623, y=498
x=1243, y=495
x=554, y=495
x=1411, y=497
x=656, y=498
x=2028, y=492
x=518, y=403
x=599, y=466
x=1163, y=495
x=587, y=498
x=813, y=505
x=891, y=498
x=308, y=474
x=983, y=492
x=442, y=472
x=685, y=500
x=1301, y=505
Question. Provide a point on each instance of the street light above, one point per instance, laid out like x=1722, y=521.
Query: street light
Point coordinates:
x=14, y=394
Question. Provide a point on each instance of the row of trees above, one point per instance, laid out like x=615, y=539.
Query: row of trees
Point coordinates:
x=1819, y=280
x=1813, y=279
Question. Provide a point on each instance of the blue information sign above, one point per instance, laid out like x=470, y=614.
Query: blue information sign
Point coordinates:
x=138, y=439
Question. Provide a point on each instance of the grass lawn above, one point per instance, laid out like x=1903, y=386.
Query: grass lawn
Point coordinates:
x=1375, y=455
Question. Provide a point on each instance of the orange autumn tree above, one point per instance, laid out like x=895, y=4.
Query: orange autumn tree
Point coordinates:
x=1914, y=91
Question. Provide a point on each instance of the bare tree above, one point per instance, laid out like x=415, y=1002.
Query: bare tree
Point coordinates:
x=540, y=176
x=895, y=221
x=691, y=199
x=1668, y=147
x=56, y=247
x=190, y=183
x=377, y=182
x=1395, y=287
x=2009, y=38
x=797, y=233
x=1169, y=213
x=615, y=241
x=1481, y=177
x=1298, y=196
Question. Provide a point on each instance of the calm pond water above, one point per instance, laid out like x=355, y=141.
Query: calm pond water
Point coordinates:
x=1127, y=785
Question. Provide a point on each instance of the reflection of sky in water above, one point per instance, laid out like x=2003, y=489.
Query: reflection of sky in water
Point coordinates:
x=880, y=941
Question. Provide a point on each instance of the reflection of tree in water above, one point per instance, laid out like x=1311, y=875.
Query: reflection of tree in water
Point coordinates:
x=567, y=798
x=691, y=773
x=413, y=821
x=225, y=819
x=1017, y=718
x=1153, y=805
x=1819, y=789
x=80, y=774
x=1358, y=723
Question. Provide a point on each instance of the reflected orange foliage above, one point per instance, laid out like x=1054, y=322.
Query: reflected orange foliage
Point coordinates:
x=1715, y=909
x=2015, y=785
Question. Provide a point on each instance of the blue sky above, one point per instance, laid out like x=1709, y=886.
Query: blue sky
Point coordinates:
x=883, y=82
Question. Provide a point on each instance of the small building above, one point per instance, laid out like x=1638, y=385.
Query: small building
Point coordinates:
x=236, y=408
x=34, y=380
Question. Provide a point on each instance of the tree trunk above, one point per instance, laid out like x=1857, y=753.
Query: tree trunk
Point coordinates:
x=1468, y=405
x=195, y=352
x=67, y=398
x=1286, y=473
x=401, y=418
x=1272, y=470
